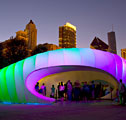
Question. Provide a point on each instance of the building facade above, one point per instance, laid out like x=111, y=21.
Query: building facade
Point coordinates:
x=51, y=46
x=21, y=35
x=123, y=53
x=112, y=42
x=67, y=36
x=99, y=44
x=32, y=34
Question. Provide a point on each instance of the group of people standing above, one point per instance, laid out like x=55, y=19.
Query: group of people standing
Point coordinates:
x=82, y=91
x=79, y=91
x=42, y=89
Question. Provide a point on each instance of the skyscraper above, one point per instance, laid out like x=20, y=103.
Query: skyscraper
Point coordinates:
x=112, y=42
x=99, y=44
x=32, y=34
x=67, y=36
x=123, y=53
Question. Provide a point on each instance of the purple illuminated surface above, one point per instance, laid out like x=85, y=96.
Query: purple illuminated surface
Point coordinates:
x=110, y=63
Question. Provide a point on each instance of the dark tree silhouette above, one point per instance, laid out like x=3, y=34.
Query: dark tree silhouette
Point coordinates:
x=13, y=50
x=40, y=48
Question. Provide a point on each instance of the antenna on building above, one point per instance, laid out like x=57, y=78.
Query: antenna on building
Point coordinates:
x=112, y=27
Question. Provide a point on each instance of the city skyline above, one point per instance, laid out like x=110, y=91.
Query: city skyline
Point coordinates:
x=92, y=18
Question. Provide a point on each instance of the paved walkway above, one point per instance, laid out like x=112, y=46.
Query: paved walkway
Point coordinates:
x=95, y=110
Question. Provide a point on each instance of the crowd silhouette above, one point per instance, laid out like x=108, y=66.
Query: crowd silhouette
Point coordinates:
x=82, y=91
x=76, y=91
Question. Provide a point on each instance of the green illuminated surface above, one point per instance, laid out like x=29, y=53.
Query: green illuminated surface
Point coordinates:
x=3, y=83
x=19, y=81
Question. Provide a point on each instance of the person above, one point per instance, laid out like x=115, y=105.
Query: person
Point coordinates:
x=98, y=90
x=37, y=86
x=69, y=90
x=52, y=91
x=93, y=90
x=77, y=90
x=86, y=92
x=65, y=91
x=81, y=91
x=61, y=89
x=122, y=92
x=58, y=87
x=43, y=87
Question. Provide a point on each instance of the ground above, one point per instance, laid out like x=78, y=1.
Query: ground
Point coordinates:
x=94, y=110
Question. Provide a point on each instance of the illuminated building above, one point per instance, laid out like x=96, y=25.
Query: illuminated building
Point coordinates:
x=112, y=42
x=18, y=80
x=32, y=34
x=21, y=35
x=67, y=36
x=51, y=46
x=99, y=44
x=123, y=53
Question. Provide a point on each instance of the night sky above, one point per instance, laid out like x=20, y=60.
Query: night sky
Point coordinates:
x=91, y=17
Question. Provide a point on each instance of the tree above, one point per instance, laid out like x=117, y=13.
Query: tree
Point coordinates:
x=14, y=50
x=40, y=48
x=1, y=57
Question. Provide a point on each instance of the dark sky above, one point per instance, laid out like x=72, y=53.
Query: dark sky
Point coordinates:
x=91, y=17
